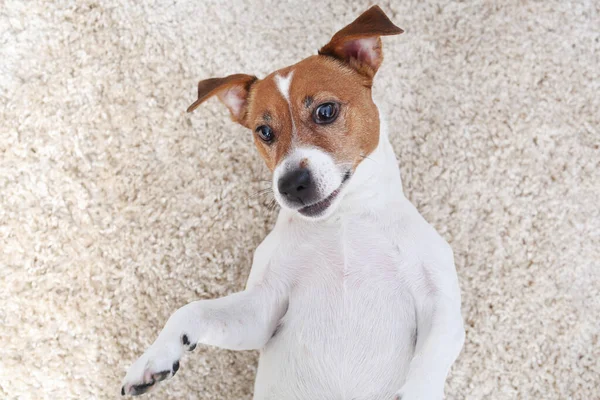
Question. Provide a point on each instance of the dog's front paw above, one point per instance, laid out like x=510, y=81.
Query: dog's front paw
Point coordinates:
x=415, y=391
x=159, y=362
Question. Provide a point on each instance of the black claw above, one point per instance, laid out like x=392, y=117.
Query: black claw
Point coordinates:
x=141, y=389
x=123, y=391
x=192, y=347
x=175, y=367
x=185, y=339
x=161, y=376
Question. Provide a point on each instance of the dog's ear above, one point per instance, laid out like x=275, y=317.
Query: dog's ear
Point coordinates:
x=232, y=90
x=359, y=44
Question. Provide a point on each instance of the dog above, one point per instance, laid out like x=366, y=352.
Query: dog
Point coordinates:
x=353, y=295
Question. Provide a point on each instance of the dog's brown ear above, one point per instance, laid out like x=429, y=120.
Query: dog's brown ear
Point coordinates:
x=359, y=43
x=232, y=90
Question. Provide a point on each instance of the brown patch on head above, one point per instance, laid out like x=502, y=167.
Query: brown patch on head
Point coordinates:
x=355, y=131
x=315, y=81
x=266, y=106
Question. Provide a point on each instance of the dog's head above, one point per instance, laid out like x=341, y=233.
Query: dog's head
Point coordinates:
x=315, y=121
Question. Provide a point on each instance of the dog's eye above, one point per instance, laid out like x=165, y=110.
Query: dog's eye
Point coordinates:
x=265, y=133
x=326, y=113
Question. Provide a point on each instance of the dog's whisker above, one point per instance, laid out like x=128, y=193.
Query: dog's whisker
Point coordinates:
x=259, y=193
x=264, y=191
x=272, y=205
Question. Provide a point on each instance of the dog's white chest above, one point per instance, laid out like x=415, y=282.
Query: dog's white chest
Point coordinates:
x=350, y=326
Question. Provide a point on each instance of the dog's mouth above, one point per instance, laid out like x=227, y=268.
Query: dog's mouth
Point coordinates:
x=318, y=208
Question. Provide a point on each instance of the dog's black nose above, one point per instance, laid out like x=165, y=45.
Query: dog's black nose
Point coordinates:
x=297, y=186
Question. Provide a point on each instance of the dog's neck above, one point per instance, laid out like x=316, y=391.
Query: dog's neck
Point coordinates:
x=375, y=186
x=376, y=182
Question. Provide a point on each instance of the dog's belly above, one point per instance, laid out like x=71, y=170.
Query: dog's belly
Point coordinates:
x=349, y=330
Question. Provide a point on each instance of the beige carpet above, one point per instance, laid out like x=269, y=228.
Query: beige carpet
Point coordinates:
x=116, y=207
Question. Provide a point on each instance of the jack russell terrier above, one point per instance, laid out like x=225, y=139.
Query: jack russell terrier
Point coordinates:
x=353, y=295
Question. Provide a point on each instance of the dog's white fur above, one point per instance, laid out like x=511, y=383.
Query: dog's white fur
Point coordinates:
x=363, y=304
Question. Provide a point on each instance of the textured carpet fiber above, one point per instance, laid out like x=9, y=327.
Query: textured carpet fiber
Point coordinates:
x=116, y=207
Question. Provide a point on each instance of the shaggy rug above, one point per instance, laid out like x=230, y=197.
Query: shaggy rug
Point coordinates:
x=117, y=207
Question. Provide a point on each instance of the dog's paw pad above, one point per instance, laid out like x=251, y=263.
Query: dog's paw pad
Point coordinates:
x=136, y=390
x=161, y=376
x=185, y=340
